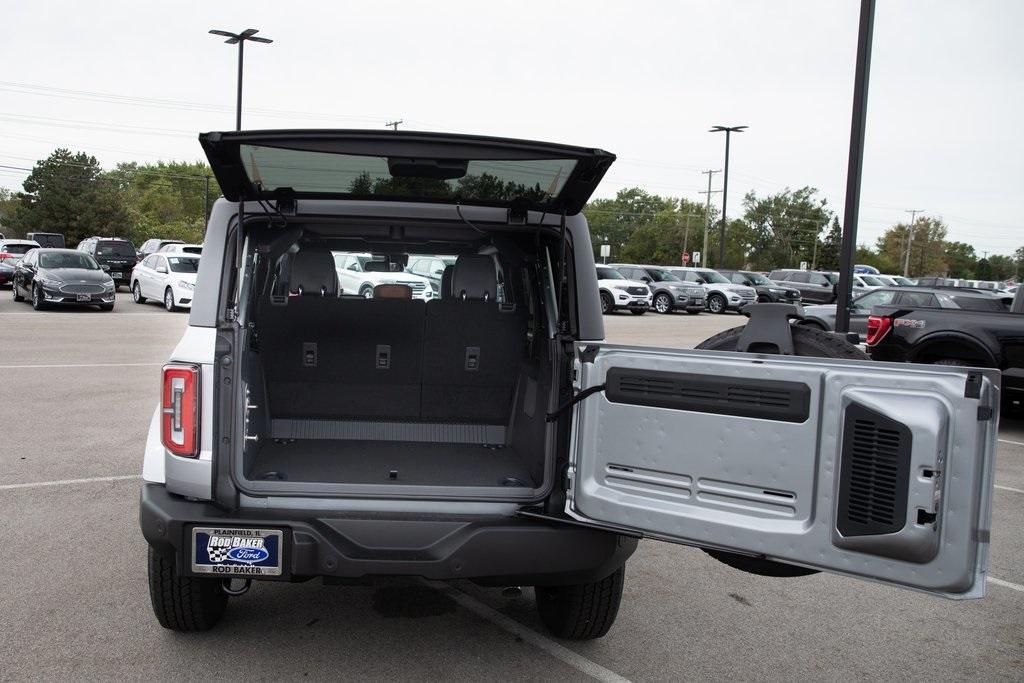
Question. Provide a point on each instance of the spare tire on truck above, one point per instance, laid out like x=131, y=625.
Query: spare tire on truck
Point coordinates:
x=807, y=341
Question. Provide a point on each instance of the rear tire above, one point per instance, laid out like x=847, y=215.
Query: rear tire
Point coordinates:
x=581, y=611
x=183, y=603
x=136, y=293
x=807, y=341
x=14, y=293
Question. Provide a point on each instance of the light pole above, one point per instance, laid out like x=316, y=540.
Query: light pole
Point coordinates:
x=240, y=38
x=728, y=130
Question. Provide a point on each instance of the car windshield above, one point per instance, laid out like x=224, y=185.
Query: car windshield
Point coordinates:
x=758, y=279
x=183, y=264
x=488, y=180
x=114, y=248
x=67, y=259
x=609, y=274
x=713, y=276
x=17, y=248
x=658, y=275
x=872, y=280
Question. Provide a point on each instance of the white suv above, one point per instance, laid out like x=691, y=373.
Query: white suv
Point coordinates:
x=723, y=295
x=360, y=273
x=618, y=292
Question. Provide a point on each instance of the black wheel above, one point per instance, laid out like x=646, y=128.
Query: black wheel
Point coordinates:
x=14, y=293
x=136, y=293
x=366, y=292
x=607, y=305
x=581, y=611
x=38, y=301
x=717, y=303
x=663, y=303
x=807, y=341
x=638, y=311
x=106, y=307
x=183, y=603
x=169, y=300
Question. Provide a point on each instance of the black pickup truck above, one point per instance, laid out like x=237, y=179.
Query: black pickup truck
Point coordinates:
x=952, y=337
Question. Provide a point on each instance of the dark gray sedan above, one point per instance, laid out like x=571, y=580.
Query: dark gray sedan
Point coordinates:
x=50, y=277
x=824, y=316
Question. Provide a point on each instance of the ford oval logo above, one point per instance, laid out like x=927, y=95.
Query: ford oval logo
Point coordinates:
x=248, y=554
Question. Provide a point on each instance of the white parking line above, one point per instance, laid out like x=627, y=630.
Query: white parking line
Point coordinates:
x=63, y=482
x=1012, y=443
x=1005, y=584
x=1007, y=488
x=84, y=365
x=556, y=650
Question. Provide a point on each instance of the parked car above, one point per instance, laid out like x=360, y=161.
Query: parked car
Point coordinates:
x=617, y=292
x=767, y=290
x=823, y=316
x=55, y=277
x=976, y=338
x=361, y=273
x=151, y=246
x=47, y=239
x=668, y=292
x=721, y=294
x=432, y=268
x=170, y=278
x=816, y=286
x=300, y=434
x=866, y=281
x=181, y=248
x=115, y=255
x=10, y=252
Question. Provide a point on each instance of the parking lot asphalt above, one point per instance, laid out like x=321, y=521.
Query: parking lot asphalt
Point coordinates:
x=81, y=387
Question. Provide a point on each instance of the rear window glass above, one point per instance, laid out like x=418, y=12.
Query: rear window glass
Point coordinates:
x=114, y=248
x=609, y=274
x=183, y=264
x=535, y=180
x=17, y=248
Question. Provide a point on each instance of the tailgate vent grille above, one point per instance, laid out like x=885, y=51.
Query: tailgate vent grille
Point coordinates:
x=874, y=473
x=764, y=399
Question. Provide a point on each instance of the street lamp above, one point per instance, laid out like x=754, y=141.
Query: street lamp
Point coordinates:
x=240, y=38
x=728, y=130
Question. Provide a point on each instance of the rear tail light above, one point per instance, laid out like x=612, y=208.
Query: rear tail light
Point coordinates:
x=5, y=255
x=179, y=407
x=878, y=327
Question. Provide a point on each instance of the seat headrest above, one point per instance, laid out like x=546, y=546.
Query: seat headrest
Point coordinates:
x=313, y=274
x=474, y=278
x=392, y=292
x=377, y=267
x=446, y=282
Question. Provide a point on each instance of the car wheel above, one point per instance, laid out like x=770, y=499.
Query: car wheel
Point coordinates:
x=136, y=293
x=183, y=603
x=716, y=303
x=638, y=311
x=366, y=292
x=38, y=301
x=581, y=611
x=606, y=304
x=14, y=293
x=169, y=300
x=807, y=341
x=663, y=303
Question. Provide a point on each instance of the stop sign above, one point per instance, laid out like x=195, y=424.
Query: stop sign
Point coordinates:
x=686, y=257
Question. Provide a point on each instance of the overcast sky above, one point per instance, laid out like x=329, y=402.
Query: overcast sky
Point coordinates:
x=644, y=80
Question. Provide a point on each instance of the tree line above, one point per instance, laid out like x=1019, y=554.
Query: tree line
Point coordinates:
x=779, y=231
x=69, y=192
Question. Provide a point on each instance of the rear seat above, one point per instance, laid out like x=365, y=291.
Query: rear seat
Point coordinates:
x=452, y=360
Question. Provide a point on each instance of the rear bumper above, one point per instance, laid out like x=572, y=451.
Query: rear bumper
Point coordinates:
x=491, y=550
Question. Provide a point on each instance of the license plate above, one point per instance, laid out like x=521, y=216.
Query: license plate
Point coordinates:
x=236, y=552
x=84, y=297
x=116, y=276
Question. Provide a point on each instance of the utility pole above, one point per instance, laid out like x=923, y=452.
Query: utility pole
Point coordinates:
x=686, y=232
x=910, y=239
x=728, y=130
x=394, y=124
x=707, y=216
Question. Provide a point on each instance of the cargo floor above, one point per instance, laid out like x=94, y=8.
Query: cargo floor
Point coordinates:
x=372, y=462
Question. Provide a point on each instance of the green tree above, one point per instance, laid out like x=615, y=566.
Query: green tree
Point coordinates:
x=784, y=227
x=613, y=221
x=166, y=199
x=927, y=249
x=69, y=193
x=829, y=247
x=869, y=257
x=8, y=208
x=1003, y=267
x=677, y=227
x=960, y=259
x=983, y=270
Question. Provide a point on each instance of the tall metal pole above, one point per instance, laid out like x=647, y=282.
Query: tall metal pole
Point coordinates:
x=910, y=239
x=707, y=216
x=725, y=202
x=855, y=166
x=238, y=107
